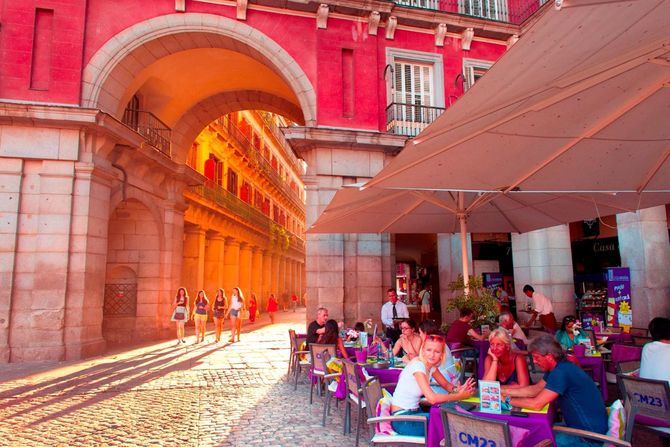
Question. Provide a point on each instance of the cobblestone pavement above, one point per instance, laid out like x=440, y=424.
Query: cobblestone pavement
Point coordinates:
x=168, y=395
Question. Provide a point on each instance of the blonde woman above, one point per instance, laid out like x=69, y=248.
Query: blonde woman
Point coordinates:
x=236, y=307
x=200, y=308
x=502, y=364
x=180, y=313
x=219, y=308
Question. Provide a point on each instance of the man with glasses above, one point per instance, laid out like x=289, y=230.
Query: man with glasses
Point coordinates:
x=392, y=311
x=566, y=383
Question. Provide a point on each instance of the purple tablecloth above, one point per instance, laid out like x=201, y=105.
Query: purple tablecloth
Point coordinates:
x=538, y=424
x=623, y=353
x=384, y=375
x=620, y=337
x=599, y=374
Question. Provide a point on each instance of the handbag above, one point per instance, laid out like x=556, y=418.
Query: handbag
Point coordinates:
x=179, y=315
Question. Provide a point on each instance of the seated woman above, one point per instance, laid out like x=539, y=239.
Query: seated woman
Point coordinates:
x=570, y=333
x=331, y=336
x=449, y=368
x=414, y=382
x=502, y=364
x=409, y=341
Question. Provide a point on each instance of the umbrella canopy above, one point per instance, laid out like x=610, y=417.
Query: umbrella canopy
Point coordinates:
x=579, y=104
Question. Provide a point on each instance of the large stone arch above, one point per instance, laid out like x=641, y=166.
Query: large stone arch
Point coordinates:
x=114, y=66
x=194, y=120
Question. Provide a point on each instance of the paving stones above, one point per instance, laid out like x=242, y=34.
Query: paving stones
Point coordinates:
x=165, y=395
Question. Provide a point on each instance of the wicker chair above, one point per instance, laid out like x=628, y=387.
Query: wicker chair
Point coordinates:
x=354, y=396
x=461, y=429
x=648, y=398
x=328, y=379
x=373, y=393
x=295, y=363
x=317, y=368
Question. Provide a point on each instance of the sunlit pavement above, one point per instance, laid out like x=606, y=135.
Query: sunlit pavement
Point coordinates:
x=163, y=394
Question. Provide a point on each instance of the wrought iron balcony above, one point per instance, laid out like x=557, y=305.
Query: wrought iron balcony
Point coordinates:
x=150, y=127
x=508, y=11
x=410, y=119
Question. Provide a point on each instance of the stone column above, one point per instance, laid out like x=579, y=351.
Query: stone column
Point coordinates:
x=231, y=262
x=257, y=275
x=214, y=258
x=245, y=268
x=281, y=282
x=450, y=265
x=193, y=268
x=274, y=276
x=543, y=259
x=645, y=250
x=266, y=278
x=171, y=259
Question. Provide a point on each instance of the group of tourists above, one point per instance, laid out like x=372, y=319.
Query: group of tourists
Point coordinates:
x=237, y=308
x=425, y=349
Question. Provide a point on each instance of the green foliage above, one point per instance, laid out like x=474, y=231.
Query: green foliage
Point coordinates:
x=480, y=299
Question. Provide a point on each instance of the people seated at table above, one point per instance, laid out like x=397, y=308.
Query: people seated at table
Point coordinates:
x=461, y=331
x=502, y=364
x=570, y=333
x=317, y=327
x=655, y=360
x=409, y=342
x=331, y=336
x=413, y=384
x=564, y=382
x=506, y=320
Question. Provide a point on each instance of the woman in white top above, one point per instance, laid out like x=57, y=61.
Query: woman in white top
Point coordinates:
x=656, y=354
x=414, y=383
x=236, y=306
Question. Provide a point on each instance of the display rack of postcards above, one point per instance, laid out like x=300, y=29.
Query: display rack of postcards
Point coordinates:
x=592, y=308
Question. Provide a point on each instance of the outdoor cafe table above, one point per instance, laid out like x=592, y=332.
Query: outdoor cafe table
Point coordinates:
x=615, y=337
x=538, y=424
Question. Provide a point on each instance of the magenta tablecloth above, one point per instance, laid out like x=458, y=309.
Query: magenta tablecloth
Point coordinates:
x=538, y=424
x=599, y=374
x=620, y=337
x=385, y=376
x=623, y=353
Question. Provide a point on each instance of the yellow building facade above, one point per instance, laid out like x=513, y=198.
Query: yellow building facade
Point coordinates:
x=244, y=226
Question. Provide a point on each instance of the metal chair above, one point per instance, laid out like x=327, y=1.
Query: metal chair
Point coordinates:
x=577, y=433
x=639, y=340
x=467, y=429
x=630, y=368
x=372, y=393
x=649, y=399
x=295, y=362
x=318, y=368
x=328, y=379
x=639, y=331
x=354, y=396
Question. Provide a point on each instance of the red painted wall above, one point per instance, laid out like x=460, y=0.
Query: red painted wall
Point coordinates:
x=80, y=28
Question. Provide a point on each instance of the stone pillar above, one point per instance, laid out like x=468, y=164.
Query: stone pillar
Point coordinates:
x=450, y=265
x=645, y=250
x=363, y=277
x=231, y=262
x=257, y=275
x=274, y=276
x=543, y=259
x=281, y=282
x=214, y=258
x=171, y=259
x=266, y=278
x=245, y=268
x=193, y=268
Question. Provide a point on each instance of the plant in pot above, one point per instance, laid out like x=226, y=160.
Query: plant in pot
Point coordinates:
x=480, y=299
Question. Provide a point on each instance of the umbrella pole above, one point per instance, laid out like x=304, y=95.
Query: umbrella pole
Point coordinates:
x=464, y=252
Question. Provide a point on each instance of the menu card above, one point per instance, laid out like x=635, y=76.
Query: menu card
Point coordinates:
x=489, y=397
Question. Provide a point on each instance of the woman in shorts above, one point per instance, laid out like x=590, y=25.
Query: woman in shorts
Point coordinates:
x=219, y=309
x=180, y=313
x=236, y=306
x=200, y=308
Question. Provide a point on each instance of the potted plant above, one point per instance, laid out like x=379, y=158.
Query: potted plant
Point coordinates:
x=480, y=299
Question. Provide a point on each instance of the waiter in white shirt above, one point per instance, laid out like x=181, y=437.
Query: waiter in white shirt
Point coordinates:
x=390, y=310
x=542, y=307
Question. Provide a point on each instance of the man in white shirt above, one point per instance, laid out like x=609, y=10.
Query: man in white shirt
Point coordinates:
x=656, y=354
x=507, y=321
x=542, y=307
x=390, y=310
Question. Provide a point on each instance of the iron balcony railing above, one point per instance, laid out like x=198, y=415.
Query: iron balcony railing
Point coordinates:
x=509, y=11
x=253, y=153
x=279, y=136
x=215, y=193
x=410, y=119
x=150, y=127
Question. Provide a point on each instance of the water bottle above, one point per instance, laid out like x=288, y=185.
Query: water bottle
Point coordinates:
x=379, y=353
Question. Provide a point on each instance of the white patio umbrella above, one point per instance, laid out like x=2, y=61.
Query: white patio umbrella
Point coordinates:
x=581, y=103
x=377, y=210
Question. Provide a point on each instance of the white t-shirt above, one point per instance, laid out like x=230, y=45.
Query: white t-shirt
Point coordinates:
x=655, y=361
x=542, y=304
x=407, y=393
x=235, y=303
x=387, y=312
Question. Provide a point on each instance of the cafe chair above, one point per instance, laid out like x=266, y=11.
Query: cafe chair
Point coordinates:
x=467, y=429
x=328, y=378
x=372, y=393
x=640, y=340
x=354, y=397
x=577, y=433
x=639, y=331
x=296, y=361
x=317, y=369
x=647, y=404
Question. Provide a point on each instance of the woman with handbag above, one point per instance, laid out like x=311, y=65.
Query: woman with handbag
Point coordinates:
x=180, y=313
x=235, y=311
x=219, y=308
x=200, y=308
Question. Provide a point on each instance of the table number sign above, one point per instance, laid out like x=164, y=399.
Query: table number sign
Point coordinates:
x=489, y=397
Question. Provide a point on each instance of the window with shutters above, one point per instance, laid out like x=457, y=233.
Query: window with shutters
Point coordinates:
x=416, y=90
x=232, y=181
x=473, y=70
